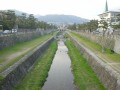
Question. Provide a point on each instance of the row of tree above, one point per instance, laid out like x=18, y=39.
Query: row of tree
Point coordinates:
x=9, y=20
x=91, y=25
x=118, y=25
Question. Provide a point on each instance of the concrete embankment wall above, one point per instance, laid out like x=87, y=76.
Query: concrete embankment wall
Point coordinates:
x=14, y=73
x=109, y=77
x=117, y=45
x=8, y=40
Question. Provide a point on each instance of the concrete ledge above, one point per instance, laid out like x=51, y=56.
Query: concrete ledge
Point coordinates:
x=14, y=73
x=108, y=76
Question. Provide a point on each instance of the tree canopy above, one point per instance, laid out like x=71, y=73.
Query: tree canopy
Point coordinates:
x=8, y=20
x=90, y=26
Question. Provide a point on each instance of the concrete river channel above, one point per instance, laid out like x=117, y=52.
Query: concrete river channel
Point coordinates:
x=60, y=76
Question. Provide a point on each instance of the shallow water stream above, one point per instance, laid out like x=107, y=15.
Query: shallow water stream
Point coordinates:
x=60, y=76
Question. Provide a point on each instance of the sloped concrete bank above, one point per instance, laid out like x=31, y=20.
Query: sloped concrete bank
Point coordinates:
x=14, y=73
x=109, y=77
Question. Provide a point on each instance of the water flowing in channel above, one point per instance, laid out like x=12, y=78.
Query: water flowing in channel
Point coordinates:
x=60, y=76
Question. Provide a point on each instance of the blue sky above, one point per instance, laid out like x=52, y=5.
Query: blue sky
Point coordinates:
x=84, y=8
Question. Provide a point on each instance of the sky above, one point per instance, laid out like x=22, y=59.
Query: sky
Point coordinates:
x=88, y=9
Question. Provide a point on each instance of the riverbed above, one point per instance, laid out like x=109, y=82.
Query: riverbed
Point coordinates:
x=60, y=76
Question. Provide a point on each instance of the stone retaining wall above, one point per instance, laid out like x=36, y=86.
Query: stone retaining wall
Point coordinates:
x=14, y=73
x=11, y=39
x=109, y=77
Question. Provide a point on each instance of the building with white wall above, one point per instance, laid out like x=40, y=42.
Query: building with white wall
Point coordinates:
x=109, y=16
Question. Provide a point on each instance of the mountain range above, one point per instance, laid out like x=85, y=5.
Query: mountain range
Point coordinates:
x=61, y=19
x=57, y=19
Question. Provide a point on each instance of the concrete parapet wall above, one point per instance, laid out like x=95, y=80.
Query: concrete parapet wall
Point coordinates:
x=17, y=71
x=108, y=76
x=11, y=39
x=8, y=40
x=117, y=45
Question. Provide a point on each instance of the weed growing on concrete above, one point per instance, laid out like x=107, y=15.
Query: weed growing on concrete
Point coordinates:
x=35, y=79
x=84, y=77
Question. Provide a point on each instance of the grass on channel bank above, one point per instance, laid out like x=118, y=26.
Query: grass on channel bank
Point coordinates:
x=35, y=79
x=12, y=54
x=84, y=77
x=96, y=48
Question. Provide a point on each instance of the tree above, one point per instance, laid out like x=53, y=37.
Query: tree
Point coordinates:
x=93, y=25
x=82, y=27
x=72, y=27
x=31, y=21
x=8, y=19
x=89, y=26
x=117, y=26
x=104, y=26
x=22, y=21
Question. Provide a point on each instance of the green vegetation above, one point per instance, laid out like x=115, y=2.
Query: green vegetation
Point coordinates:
x=35, y=79
x=89, y=26
x=118, y=25
x=9, y=21
x=96, y=48
x=84, y=76
x=10, y=55
x=1, y=77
